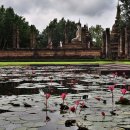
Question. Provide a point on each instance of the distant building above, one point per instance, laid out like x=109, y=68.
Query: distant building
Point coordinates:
x=116, y=43
x=82, y=40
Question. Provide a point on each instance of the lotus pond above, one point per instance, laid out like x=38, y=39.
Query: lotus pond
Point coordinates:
x=70, y=97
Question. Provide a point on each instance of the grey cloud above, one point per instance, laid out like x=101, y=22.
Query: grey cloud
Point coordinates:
x=49, y=9
x=84, y=7
x=26, y=6
x=65, y=7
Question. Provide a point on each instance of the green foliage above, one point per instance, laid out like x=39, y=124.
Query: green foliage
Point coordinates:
x=125, y=7
x=56, y=30
x=96, y=33
x=9, y=20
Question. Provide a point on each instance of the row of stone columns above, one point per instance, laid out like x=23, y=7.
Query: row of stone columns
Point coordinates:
x=16, y=38
x=116, y=43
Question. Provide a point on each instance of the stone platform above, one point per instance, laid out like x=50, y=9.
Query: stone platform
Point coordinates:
x=74, y=45
x=112, y=68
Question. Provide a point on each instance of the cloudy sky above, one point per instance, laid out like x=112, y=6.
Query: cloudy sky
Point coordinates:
x=41, y=12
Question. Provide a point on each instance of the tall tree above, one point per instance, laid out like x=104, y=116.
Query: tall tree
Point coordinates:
x=2, y=26
x=125, y=6
x=96, y=33
x=56, y=32
x=9, y=20
x=14, y=30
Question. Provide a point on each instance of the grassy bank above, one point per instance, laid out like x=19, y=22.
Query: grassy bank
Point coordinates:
x=62, y=63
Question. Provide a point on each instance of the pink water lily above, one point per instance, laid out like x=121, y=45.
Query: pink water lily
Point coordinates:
x=63, y=96
x=111, y=88
x=77, y=102
x=73, y=109
x=47, y=95
x=123, y=91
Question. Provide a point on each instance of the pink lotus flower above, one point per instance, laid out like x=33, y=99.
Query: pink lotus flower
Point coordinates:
x=123, y=91
x=77, y=102
x=47, y=95
x=83, y=105
x=73, y=109
x=111, y=88
x=63, y=96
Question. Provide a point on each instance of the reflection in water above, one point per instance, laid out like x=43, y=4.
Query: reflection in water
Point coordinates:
x=95, y=108
x=47, y=118
x=23, y=80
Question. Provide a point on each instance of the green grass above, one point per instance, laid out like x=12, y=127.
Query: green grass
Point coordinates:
x=61, y=63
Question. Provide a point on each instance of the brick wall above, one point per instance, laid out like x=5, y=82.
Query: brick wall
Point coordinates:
x=49, y=53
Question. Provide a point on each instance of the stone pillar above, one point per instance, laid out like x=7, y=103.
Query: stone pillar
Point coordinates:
x=104, y=44
x=65, y=34
x=32, y=40
x=15, y=37
x=107, y=50
x=126, y=43
x=120, y=45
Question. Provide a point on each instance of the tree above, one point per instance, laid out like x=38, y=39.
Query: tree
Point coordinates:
x=2, y=26
x=96, y=33
x=56, y=30
x=70, y=29
x=125, y=7
x=12, y=28
x=9, y=20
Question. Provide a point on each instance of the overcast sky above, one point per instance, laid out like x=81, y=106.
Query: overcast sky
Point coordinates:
x=41, y=12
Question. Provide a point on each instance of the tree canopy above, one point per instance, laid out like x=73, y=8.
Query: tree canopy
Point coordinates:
x=10, y=21
x=97, y=35
x=57, y=30
x=125, y=11
x=15, y=28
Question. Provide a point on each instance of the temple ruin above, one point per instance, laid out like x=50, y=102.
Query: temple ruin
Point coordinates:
x=116, y=43
x=82, y=40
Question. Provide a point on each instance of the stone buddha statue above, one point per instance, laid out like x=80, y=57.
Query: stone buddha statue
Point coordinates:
x=78, y=33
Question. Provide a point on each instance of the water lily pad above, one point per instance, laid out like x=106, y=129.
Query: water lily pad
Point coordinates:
x=95, y=118
x=13, y=118
x=61, y=122
x=125, y=126
x=17, y=109
x=18, y=121
x=31, y=117
x=96, y=128
x=12, y=126
x=21, y=128
x=3, y=122
x=34, y=124
x=84, y=123
x=32, y=129
x=116, y=128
